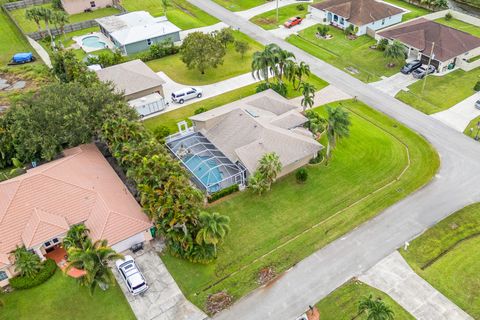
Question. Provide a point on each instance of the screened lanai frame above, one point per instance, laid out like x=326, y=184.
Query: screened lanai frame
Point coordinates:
x=211, y=170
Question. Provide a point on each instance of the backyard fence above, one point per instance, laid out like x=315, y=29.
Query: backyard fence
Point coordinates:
x=68, y=28
x=23, y=4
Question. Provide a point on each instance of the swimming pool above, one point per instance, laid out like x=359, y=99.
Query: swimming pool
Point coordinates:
x=205, y=169
x=93, y=42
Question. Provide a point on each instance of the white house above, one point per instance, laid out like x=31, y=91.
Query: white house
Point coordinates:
x=362, y=14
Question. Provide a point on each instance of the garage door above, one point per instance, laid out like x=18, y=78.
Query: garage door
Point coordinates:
x=127, y=243
x=434, y=62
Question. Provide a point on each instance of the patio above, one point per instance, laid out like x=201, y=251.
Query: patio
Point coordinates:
x=59, y=254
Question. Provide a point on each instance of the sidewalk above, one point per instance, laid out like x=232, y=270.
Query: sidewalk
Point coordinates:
x=392, y=85
x=272, y=5
x=326, y=95
x=42, y=53
x=459, y=116
x=394, y=276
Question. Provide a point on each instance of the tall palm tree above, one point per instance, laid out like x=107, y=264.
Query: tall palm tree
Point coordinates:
x=93, y=259
x=394, y=52
x=270, y=166
x=281, y=60
x=375, y=309
x=264, y=62
x=308, y=92
x=77, y=237
x=214, y=228
x=338, y=126
x=303, y=70
x=60, y=18
x=165, y=6
x=34, y=14
x=46, y=15
x=26, y=263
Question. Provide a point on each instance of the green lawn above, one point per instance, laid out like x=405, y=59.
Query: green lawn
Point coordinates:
x=371, y=158
x=240, y=5
x=472, y=125
x=343, y=302
x=441, y=92
x=233, y=65
x=11, y=40
x=460, y=25
x=61, y=298
x=268, y=20
x=30, y=26
x=180, y=12
x=447, y=256
x=369, y=64
x=170, y=119
x=415, y=11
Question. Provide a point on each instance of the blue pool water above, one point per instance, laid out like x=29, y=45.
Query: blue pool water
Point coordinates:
x=93, y=42
x=211, y=179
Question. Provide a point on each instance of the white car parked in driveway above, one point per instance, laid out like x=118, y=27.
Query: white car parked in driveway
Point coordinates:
x=132, y=276
x=185, y=94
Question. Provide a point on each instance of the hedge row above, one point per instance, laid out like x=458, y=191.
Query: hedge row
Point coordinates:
x=48, y=270
x=222, y=193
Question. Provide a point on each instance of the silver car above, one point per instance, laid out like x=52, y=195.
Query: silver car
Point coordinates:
x=132, y=276
x=185, y=94
x=477, y=104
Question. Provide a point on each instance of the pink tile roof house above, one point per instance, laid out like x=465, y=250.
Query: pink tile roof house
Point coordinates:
x=79, y=188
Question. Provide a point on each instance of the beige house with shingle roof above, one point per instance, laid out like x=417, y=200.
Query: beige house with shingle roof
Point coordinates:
x=38, y=207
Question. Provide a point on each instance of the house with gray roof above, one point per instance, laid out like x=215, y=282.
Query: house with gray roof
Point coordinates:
x=237, y=135
x=136, y=31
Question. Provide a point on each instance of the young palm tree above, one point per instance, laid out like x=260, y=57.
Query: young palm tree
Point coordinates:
x=27, y=263
x=308, y=92
x=77, y=237
x=165, y=6
x=257, y=183
x=303, y=70
x=93, y=259
x=214, y=228
x=375, y=309
x=34, y=14
x=394, y=52
x=338, y=126
x=270, y=166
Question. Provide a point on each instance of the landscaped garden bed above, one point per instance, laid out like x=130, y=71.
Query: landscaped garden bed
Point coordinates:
x=447, y=256
x=290, y=222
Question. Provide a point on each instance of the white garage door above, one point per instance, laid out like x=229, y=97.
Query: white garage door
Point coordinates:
x=127, y=243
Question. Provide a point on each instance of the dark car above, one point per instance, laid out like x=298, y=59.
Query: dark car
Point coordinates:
x=293, y=22
x=410, y=66
x=420, y=73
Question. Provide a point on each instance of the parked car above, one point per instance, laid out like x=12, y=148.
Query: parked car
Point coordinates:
x=477, y=104
x=409, y=67
x=185, y=94
x=419, y=73
x=293, y=22
x=132, y=276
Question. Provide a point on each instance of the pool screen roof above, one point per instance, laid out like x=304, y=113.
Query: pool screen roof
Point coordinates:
x=211, y=169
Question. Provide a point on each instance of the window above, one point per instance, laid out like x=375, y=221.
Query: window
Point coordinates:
x=47, y=244
x=92, y=4
x=149, y=42
x=55, y=240
x=383, y=22
x=3, y=275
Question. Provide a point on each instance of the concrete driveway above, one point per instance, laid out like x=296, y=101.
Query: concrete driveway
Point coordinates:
x=283, y=33
x=271, y=5
x=392, y=85
x=459, y=116
x=163, y=300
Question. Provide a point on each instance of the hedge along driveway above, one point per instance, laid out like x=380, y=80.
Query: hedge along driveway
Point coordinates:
x=292, y=221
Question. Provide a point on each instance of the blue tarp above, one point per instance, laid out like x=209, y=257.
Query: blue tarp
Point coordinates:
x=24, y=56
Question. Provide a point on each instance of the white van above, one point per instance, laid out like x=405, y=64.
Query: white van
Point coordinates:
x=185, y=94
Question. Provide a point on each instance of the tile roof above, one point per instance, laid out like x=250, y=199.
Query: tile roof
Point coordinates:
x=359, y=12
x=422, y=33
x=78, y=188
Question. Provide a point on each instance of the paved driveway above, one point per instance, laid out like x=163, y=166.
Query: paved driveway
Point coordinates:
x=283, y=33
x=163, y=300
x=459, y=116
x=392, y=85
x=271, y=5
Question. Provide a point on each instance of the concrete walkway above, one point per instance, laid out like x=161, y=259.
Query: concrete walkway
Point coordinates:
x=207, y=29
x=326, y=95
x=42, y=53
x=459, y=116
x=392, y=85
x=394, y=276
x=163, y=300
x=272, y=5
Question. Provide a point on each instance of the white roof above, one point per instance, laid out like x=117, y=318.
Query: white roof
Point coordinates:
x=136, y=26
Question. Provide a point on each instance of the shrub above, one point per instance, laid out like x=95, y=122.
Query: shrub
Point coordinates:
x=301, y=175
x=279, y=88
x=323, y=30
x=161, y=132
x=300, y=7
x=57, y=4
x=200, y=110
x=222, y=193
x=448, y=16
x=48, y=269
x=382, y=44
x=317, y=159
x=477, y=86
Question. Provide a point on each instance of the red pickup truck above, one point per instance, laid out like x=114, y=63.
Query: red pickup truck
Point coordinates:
x=293, y=22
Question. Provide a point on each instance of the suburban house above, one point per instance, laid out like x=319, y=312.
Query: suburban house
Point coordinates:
x=79, y=6
x=39, y=207
x=362, y=14
x=450, y=47
x=136, y=31
x=142, y=88
x=225, y=144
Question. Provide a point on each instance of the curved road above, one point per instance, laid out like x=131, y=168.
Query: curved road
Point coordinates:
x=453, y=188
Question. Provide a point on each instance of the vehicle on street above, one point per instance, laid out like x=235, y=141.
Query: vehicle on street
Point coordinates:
x=185, y=94
x=293, y=22
x=477, y=104
x=420, y=73
x=21, y=58
x=411, y=66
x=132, y=276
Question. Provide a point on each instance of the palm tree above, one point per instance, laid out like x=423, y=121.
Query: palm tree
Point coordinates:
x=264, y=62
x=295, y=72
x=60, y=18
x=77, y=237
x=214, y=228
x=308, y=92
x=165, y=5
x=270, y=166
x=46, y=15
x=281, y=59
x=375, y=309
x=34, y=14
x=26, y=262
x=257, y=183
x=338, y=126
x=93, y=259
x=394, y=52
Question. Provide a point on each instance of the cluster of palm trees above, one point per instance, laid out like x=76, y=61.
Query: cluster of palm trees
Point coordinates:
x=58, y=18
x=269, y=166
x=27, y=263
x=274, y=62
x=394, y=52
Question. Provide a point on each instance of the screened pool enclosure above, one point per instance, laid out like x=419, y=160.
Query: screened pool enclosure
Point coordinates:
x=211, y=169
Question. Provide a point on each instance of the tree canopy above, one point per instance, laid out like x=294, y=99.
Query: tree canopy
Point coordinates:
x=202, y=51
